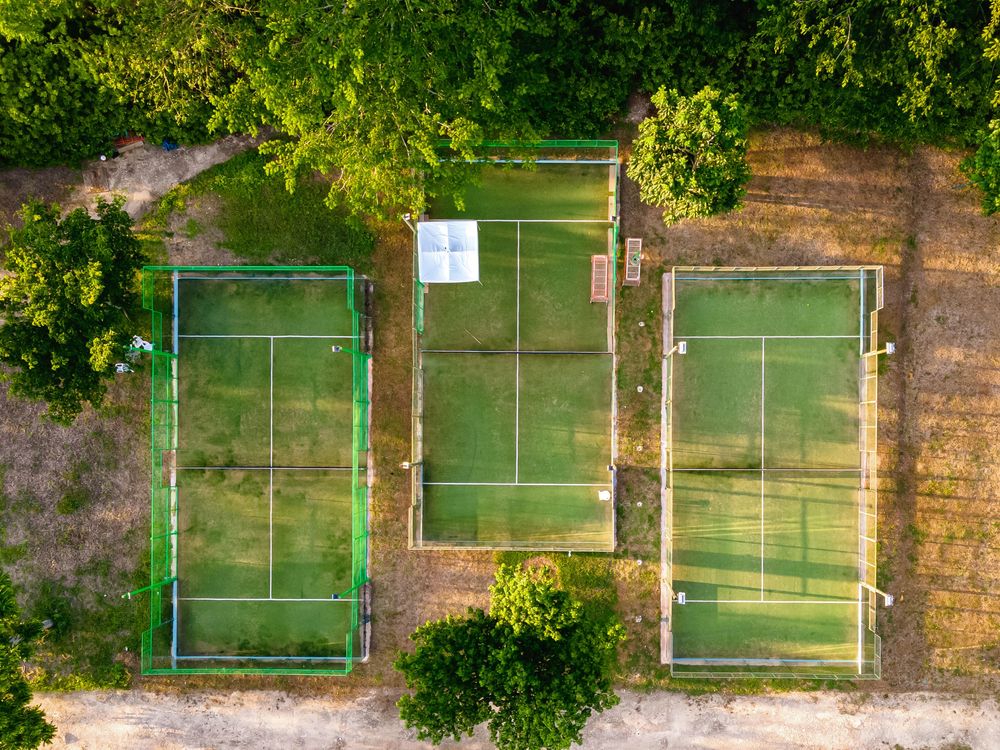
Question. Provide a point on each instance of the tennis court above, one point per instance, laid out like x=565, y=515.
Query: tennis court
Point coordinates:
x=514, y=374
x=769, y=460
x=260, y=413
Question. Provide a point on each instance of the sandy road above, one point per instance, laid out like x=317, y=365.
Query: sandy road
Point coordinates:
x=136, y=720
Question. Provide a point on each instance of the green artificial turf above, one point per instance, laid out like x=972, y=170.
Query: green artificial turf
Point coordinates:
x=259, y=386
x=712, y=305
x=250, y=306
x=768, y=560
x=495, y=426
x=547, y=191
x=557, y=517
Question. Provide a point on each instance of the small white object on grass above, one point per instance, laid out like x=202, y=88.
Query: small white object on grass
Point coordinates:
x=638, y=618
x=638, y=504
x=642, y=324
x=640, y=389
x=638, y=449
x=604, y=495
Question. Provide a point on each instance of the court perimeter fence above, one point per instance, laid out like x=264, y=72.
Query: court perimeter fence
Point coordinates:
x=870, y=666
x=159, y=641
x=501, y=152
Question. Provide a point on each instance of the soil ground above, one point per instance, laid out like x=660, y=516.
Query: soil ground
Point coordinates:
x=808, y=203
x=137, y=720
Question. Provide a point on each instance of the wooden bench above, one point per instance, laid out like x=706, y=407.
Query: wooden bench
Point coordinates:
x=633, y=261
x=598, y=278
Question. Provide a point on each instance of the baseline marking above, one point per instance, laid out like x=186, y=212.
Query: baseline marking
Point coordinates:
x=542, y=221
x=338, y=659
x=765, y=278
x=510, y=351
x=266, y=468
x=258, y=599
x=679, y=336
x=510, y=484
x=748, y=469
x=262, y=278
x=253, y=336
x=849, y=602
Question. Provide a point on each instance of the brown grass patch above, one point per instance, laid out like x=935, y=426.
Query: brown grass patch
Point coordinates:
x=809, y=203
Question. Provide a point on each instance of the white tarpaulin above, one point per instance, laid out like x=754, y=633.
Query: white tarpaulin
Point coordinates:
x=448, y=251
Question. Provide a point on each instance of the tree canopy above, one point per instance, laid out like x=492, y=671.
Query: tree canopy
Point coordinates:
x=364, y=89
x=22, y=726
x=65, y=304
x=534, y=668
x=690, y=157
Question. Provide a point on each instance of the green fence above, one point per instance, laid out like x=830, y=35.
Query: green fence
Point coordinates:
x=159, y=653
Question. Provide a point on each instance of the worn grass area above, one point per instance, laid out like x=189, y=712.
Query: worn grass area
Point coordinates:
x=73, y=532
x=816, y=203
x=237, y=208
x=809, y=202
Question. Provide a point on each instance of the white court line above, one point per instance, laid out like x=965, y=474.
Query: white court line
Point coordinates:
x=510, y=484
x=517, y=365
x=268, y=468
x=850, y=602
x=762, y=340
x=510, y=351
x=745, y=469
x=540, y=221
x=248, y=277
x=573, y=162
x=764, y=278
x=678, y=337
x=270, y=489
x=316, y=659
x=256, y=599
x=253, y=336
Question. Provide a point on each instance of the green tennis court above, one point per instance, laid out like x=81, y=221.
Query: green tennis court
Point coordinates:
x=260, y=482
x=768, y=472
x=513, y=376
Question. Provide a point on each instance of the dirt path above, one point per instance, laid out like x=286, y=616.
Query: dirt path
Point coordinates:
x=145, y=173
x=141, y=721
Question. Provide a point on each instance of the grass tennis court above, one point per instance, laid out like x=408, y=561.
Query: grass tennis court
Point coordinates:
x=260, y=459
x=771, y=472
x=514, y=374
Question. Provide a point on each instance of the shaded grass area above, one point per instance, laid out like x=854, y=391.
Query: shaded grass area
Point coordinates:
x=264, y=223
x=267, y=628
x=545, y=191
x=266, y=306
x=264, y=534
x=711, y=305
x=543, y=517
x=91, y=625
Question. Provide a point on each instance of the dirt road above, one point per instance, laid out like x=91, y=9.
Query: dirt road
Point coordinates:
x=142, y=721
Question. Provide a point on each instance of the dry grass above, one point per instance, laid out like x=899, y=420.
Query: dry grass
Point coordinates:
x=809, y=203
x=816, y=203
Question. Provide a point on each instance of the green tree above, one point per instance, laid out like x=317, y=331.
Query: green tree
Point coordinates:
x=22, y=726
x=983, y=169
x=690, y=157
x=534, y=668
x=65, y=304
